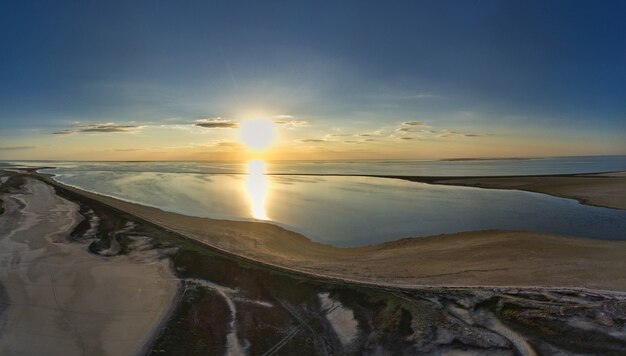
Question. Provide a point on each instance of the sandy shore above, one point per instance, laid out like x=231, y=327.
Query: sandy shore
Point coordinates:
x=58, y=299
x=471, y=259
x=606, y=190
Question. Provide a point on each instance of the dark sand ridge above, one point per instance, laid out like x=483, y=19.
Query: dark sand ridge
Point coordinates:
x=469, y=259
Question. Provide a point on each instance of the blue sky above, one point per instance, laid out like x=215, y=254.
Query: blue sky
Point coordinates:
x=544, y=73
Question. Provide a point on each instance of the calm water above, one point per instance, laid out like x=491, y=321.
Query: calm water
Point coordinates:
x=555, y=165
x=346, y=211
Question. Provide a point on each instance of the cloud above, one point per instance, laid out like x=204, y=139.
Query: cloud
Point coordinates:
x=312, y=140
x=478, y=134
x=417, y=96
x=289, y=120
x=404, y=130
x=128, y=149
x=421, y=96
x=228, y=144
x=377, y=133
x=412, y=96
x=283, y=117
x=64, y=132
x=292, y=123
x=216, y=123
x=17, y=148
x=410, y=130
x=449, y=133
x=108, y=127
x=414, y=123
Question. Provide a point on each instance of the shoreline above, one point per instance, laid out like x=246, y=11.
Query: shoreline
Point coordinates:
x=612, y=184
x=245, y=240
x=526, y=183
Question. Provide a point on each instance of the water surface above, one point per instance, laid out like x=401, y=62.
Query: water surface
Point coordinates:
x=352, y=211
x=551, y=165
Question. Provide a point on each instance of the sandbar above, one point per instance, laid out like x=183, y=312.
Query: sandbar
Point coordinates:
x=603, y=189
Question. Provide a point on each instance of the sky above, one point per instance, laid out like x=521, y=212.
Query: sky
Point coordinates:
x=175, y=80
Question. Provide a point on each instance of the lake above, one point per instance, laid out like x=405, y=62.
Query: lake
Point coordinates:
x=342, y=211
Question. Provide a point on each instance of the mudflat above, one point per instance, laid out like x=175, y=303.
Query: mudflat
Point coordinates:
x=57, y=299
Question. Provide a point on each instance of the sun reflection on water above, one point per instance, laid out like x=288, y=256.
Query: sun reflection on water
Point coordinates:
x=256, y=187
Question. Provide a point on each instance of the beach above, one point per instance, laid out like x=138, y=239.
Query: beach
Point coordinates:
x=59, y=299
x=604, y=189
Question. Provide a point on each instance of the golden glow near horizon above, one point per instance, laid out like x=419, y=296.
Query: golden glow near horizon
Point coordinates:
x=257, y=134
x=256, y=189
x=286, y=137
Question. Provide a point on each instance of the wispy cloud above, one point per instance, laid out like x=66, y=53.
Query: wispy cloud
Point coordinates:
x=451, y=133
x=283, y=117
x=64, y=132
x=312, y=140
x=411, y=130
x=107, y=127
x=228, y=144
x=216, y=123
x=403, y=130
x=417, y=96
x=292, y=123
x=411, y=96
x=377, y=133
x=414, y=123
x=448, y=133
x=289, y=121
x=17, y=148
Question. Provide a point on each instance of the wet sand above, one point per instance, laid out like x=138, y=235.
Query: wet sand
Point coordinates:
x=470, y=259
x=58, y=299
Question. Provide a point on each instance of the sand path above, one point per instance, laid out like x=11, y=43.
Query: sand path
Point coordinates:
x=57, y=299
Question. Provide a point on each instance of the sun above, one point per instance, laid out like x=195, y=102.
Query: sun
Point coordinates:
x=257, y=134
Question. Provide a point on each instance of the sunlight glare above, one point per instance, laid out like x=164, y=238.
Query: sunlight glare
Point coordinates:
x=257, y=134
x=256, y=187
